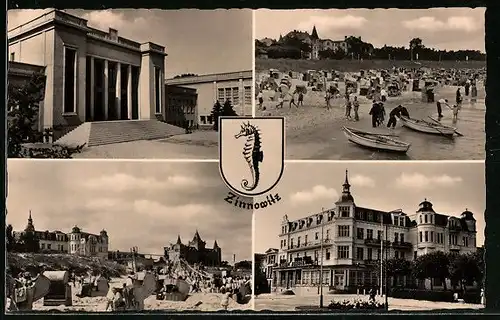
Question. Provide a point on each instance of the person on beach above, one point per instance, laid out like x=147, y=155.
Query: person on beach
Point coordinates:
x=280, y=102
x=439, y=105
x=467, y=87
x=455, y=109
x=383, y=95
x=458, y=97
x=404, y=112
x=301, y=99
x=260, y=98
x=348, y=107
x=292, y=100
x=396, y=112
x=327, y=100
x=355, y=105
x=381, y=114
x=374, y=111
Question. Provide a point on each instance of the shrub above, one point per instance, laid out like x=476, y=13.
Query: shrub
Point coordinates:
x=444, y=296
x=357, y=304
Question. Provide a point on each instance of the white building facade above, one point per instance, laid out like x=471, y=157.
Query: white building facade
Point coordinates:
x=354, y=239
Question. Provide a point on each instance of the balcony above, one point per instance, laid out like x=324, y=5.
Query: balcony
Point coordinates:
x=376, y=242
x=402, y=245
x=309, y=245
x=298, y=264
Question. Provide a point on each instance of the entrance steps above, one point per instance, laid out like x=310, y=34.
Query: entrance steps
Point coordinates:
x=109, y=132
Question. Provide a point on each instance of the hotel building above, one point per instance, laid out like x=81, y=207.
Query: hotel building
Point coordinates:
x=351, y=243
x=76, y=242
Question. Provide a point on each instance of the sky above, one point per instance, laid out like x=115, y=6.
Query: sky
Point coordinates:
x=196, y=41
x=306, y=188
x=144, y=204
x=440, y=28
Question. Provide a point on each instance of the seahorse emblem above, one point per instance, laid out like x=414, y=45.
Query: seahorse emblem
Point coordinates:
x=252, y=153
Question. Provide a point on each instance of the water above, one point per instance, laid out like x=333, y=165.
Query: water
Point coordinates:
x=322, y=137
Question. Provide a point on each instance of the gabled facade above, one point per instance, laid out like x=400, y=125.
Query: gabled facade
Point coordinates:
x=194, y=252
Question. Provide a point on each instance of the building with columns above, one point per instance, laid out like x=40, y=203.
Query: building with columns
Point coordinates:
x=233, y=86
x=91, y=75
x=353, y=239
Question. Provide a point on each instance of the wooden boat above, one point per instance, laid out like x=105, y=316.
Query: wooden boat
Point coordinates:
x=375, y=140
x=428, y=127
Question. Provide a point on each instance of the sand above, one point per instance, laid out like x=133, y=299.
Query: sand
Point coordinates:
x=195, y=302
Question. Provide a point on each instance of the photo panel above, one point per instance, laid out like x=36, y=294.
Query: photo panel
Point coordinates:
x=126, y=83
x=374, y=84
x=97, y=236
x=378, y=236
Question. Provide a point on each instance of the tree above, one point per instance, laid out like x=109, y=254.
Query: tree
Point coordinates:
x=466, y=268
x=216, y=113
x=245, y=264
x=415, y=46
x=396, y=268
x=228, y=110
x=434, y=265
x=9, y=238
x=23, y=108
x=30, y=242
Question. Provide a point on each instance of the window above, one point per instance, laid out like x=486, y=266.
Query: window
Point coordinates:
x=203, y=119
x=396, y=254
x=284, y=243
x=316, y=236
x=281, y=244
x=327, y=234
x=235, y=98
x=402, y=237
x=420, y=236
x=43, y=246
x=396, y=237
x=305, y=239
x=248, y=95
x=466, y=241
x=227, y=95
x=49, y=246
x=220, y=95
x=12, y=56
x=370, y=253
x=420, y=218
x=425, y=218
x=396, y=221
x=432, y=236
x=360, y=233
x=291, y=243
x=327, y=254
x=343, y=231
x=359, y=253
x=402, y=222
x=69, y=80
x=379, y=254
x=344, y=212
x=426, y=236
x=157, y=90
x=369, y=234
x=298, y=242
x=343, y=252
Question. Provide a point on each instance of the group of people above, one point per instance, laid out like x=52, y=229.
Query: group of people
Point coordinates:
x=18, y=290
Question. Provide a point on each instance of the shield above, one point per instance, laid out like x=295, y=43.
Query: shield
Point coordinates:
x=251, y=153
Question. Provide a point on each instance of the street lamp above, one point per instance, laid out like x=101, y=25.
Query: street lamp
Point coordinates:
x=321, y=263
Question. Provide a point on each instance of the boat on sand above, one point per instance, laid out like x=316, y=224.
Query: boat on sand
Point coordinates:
x=428, y=127
x=377, y=141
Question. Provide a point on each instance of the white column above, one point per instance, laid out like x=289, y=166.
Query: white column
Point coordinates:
x=106, y=90
x=118, y=91
x=92, y=88
x=129, y=91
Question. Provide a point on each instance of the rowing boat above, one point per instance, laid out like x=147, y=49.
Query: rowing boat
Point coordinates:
x=375, y=141
x=428, y=127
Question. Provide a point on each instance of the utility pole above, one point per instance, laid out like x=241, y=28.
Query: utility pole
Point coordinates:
x=321, y=263
x=381, y=253
x=385, y=274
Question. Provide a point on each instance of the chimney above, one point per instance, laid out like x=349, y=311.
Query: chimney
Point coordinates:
x=345, y=37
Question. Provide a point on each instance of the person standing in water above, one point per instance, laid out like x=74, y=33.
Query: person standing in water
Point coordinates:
x=458, y=98
x=355, y=105
x=439, y=105
x=396, y=112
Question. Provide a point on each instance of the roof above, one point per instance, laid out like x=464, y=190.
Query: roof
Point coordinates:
x=226, y=76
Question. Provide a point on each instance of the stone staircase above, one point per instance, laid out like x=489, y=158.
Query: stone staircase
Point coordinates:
x=108, y=132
